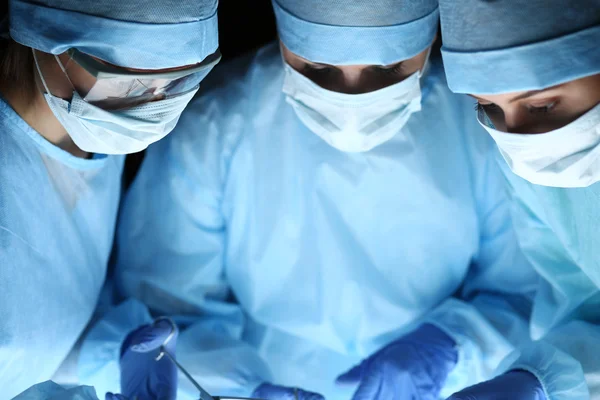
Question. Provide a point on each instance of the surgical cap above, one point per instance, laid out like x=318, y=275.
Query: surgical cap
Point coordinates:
x=143, y=34
x=492, y=47
x=352, y=32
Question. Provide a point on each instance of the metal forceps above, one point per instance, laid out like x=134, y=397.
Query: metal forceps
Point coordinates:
x=204, y=395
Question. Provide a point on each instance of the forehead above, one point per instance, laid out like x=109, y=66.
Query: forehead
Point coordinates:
x=293, y=58
x=497, y=98
x=514, y=96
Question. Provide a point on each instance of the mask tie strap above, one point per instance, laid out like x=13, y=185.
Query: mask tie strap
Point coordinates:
x=64, y=70
x=37, y=65
x=425, y=68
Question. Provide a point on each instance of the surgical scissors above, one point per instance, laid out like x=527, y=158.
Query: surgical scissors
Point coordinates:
x=204, y=395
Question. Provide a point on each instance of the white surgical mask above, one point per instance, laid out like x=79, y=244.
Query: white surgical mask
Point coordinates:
x=567, y=157
x=95, y=130
x=353, y=122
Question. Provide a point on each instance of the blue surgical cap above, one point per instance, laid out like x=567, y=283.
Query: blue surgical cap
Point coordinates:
x=492, y=47
x=143, y=34
x=353, y=32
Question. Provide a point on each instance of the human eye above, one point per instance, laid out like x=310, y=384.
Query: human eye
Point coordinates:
x=395, y=69
x=490, y=108
x=316, y=70
x=542, y=107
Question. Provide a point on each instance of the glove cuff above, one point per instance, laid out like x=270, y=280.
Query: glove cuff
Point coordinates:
x=477, y=359
x=560, y=375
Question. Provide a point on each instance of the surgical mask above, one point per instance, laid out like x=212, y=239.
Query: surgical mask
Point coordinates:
x=95, y=130
x=568, y=157
x=353, y=122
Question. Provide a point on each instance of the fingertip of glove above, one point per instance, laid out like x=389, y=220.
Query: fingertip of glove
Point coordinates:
x=151, y=337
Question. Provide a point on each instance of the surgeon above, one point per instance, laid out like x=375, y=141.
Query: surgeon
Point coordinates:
x=533, y=68
x=81, y=84
x=330, y=220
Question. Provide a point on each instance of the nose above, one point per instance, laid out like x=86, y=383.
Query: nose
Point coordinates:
x=515, y=121
x=353, y=82
x=521, y=121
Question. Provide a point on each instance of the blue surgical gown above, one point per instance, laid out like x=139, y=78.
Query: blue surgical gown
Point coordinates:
x=299, y=260
x=559, y=231
x=57, y=221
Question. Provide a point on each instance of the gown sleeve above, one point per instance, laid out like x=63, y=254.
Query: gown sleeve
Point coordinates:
x=489, y=316
x=565, y=361
x=565, y=313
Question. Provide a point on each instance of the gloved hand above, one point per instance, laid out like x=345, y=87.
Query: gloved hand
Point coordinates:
x=513, y=385
x=143, y=377
x=267, y=391
x=414, y=366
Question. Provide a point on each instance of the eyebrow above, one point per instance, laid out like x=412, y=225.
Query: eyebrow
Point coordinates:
x=519, y=97
x=476, y=97
x=527, y=95
x=522, y=96
x=318, y=65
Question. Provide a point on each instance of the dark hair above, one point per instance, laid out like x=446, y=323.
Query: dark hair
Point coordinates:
x=16, y=67
x=16, y=62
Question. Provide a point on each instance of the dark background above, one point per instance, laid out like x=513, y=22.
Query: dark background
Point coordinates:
x=244, y=25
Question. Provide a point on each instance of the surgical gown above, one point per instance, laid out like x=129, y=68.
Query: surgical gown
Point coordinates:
x=299, y=260
x=558, y=229
x=57, y=221
x=49, y=390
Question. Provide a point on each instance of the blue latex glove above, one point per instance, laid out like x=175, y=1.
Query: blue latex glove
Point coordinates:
x=267, y=391
x=513, y=385
x=143, y=377
x=414, y=366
